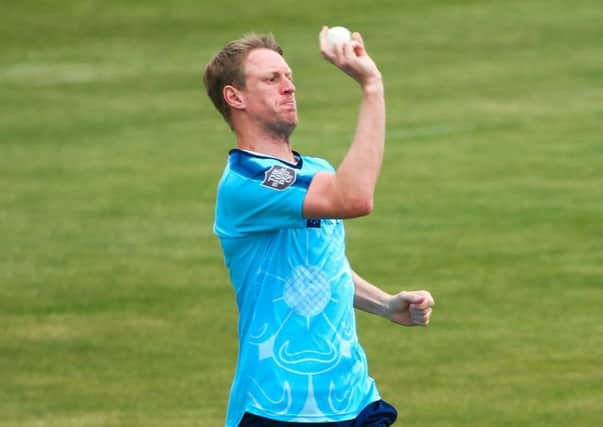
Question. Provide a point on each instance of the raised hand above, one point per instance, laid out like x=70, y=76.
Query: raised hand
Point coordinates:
x=350, y=57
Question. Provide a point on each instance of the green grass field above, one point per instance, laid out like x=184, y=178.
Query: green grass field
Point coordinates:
x=115, y=306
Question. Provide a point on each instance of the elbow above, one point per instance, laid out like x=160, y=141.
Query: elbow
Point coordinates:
x=361, y=206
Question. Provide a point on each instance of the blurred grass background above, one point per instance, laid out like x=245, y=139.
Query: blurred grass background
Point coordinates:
x=115, y=306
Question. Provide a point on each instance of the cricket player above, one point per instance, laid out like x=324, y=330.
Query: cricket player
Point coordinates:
x=279, y=218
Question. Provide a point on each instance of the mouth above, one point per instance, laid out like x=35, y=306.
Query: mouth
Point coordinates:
x=291, y=104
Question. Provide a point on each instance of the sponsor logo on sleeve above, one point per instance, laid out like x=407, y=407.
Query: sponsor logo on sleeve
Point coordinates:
x=279, y=177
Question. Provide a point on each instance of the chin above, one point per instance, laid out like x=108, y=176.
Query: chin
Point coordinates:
x=283, y=129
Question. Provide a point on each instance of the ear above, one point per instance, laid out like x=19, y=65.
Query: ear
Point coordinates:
x=233, y=97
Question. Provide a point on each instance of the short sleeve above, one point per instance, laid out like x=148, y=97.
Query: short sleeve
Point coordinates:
x=256, y=197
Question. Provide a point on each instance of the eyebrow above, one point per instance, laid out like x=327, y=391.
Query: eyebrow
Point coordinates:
x=278, y=71
x=272, y=72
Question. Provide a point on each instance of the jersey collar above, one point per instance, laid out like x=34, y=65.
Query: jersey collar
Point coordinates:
x=298, y=157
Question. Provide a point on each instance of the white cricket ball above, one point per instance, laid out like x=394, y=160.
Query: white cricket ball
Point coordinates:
x=338, y=35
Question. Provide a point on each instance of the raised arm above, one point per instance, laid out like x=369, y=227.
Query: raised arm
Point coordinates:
x=349, y=192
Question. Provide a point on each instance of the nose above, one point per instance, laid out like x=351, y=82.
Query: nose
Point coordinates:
x=288, y=87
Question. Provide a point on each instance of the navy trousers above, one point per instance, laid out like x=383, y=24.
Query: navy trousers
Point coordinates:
x=377, y=414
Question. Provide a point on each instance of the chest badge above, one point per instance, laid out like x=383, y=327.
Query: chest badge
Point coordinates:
x=279, y=177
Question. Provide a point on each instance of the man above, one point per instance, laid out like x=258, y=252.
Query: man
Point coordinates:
x=279, y=219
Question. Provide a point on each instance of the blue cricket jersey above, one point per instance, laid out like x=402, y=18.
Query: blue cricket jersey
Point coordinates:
x=299, y=356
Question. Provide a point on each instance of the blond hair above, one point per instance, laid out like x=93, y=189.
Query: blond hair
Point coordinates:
x=227, y=68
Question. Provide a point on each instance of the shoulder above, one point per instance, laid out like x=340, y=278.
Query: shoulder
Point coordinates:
x=244, y=167
x=258, y=193
x=316, y=164
x=250, y=175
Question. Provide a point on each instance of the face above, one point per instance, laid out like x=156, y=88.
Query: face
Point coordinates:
x=269, y=93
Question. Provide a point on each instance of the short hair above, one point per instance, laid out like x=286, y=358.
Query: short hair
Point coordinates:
x=226, y=68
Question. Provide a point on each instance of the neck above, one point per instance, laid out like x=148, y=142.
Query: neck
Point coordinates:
x=266, y=143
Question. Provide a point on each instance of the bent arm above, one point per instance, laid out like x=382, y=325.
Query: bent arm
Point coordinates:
x=369, y=298
x=349, y=192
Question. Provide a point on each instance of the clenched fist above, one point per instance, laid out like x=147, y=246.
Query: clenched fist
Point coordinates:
x=411, y=308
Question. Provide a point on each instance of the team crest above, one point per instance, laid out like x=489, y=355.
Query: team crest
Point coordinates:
x=279, y=177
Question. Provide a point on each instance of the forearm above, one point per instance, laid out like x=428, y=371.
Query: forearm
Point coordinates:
x=349, y=191
x=357, y=175
x=369, y=298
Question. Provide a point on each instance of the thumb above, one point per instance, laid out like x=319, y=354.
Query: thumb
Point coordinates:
x=411, y=298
